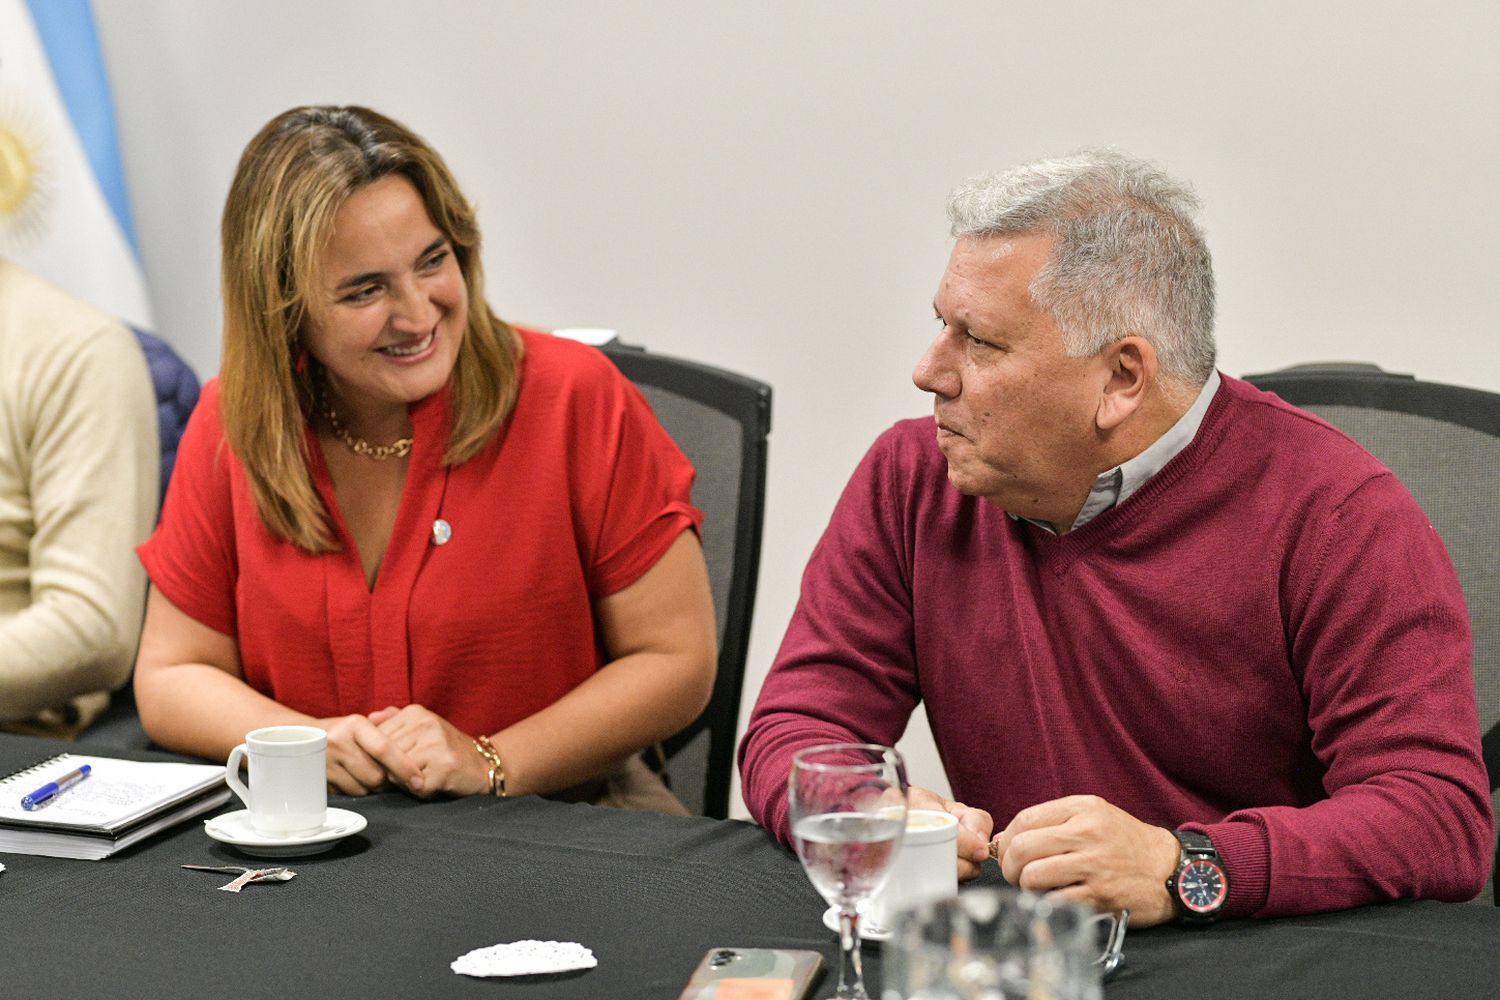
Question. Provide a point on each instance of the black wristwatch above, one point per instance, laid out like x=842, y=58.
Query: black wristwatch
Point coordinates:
x=1200, y=885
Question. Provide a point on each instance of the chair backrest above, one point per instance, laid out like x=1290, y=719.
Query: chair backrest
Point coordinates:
x=176, y=388
x=1443, y=443
x=720, y=420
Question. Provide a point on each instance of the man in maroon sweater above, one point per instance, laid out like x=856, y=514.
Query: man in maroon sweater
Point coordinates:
x=1183, y=648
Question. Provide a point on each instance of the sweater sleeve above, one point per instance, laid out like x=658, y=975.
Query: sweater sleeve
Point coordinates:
x=1379, y=639
x=92, y=494
x=846, y=671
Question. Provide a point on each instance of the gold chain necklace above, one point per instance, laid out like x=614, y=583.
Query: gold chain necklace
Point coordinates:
x=379, y=452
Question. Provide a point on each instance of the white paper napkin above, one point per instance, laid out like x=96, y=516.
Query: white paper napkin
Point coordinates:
x=525, y=958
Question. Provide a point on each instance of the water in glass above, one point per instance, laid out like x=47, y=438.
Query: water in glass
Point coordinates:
x=847, y=855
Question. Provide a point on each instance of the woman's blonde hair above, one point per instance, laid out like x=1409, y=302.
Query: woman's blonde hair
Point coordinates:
x=292, y=179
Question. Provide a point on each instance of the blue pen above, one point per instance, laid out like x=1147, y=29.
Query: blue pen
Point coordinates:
x=49, y=791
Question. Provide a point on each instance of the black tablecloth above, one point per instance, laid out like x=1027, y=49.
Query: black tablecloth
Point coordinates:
x=385, y=912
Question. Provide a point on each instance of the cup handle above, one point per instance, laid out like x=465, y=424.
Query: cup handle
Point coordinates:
x=232, y=774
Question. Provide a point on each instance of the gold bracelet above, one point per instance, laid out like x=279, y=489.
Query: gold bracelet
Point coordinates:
x=497, y=770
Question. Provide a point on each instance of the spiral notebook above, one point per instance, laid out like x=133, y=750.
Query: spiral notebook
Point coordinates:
x=118, y=804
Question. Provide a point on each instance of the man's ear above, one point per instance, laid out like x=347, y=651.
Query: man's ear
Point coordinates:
x=1131, y=363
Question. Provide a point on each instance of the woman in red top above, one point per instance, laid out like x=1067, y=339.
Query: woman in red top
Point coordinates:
x=444, y=540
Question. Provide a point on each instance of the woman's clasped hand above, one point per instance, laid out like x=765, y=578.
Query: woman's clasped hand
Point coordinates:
x=409, y=748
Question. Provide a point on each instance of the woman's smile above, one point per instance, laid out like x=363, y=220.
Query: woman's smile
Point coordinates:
x=409, y=349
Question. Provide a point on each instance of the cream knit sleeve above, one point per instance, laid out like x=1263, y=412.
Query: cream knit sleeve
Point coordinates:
x=82, y=481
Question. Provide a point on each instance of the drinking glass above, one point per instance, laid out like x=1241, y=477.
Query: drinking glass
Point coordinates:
x=848, y=812
x=1003, y=944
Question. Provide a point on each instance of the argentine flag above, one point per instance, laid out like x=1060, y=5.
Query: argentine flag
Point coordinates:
x=63, y=210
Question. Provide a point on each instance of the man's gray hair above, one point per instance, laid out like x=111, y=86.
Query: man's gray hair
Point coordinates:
x=1129, y=259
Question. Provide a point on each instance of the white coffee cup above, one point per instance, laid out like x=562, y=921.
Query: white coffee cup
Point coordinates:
x=926, y=867
x=288, y=791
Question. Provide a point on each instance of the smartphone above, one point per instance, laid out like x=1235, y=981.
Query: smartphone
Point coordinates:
x=754, y=974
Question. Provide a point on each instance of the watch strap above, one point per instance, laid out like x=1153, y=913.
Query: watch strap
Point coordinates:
x=1195, y=845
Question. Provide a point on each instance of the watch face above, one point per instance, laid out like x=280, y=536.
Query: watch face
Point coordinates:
x=1201, y=886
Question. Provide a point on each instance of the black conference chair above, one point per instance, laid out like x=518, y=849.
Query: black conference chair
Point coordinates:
x=176, y=387
x=1443, y=442
x=721, y=421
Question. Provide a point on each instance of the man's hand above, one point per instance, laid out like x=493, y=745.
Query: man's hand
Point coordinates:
x=1083, y=849
x=442, y=758
x=974, y=828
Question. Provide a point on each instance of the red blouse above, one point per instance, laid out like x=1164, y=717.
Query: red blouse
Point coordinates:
x=576, y=498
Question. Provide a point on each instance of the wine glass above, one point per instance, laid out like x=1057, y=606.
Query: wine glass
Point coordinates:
x=848, y=812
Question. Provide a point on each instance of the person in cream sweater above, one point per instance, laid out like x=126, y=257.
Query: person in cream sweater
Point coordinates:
x=78, y=489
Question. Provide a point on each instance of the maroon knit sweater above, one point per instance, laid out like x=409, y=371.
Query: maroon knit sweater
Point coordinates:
x=1266, y=643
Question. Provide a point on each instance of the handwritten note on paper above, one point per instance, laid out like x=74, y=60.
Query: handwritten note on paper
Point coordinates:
x=94, y=801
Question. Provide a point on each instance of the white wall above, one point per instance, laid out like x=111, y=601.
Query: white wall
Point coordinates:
x=760, y=186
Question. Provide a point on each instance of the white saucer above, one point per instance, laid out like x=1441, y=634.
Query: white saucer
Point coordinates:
x=869, y=930
x=234, y=829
